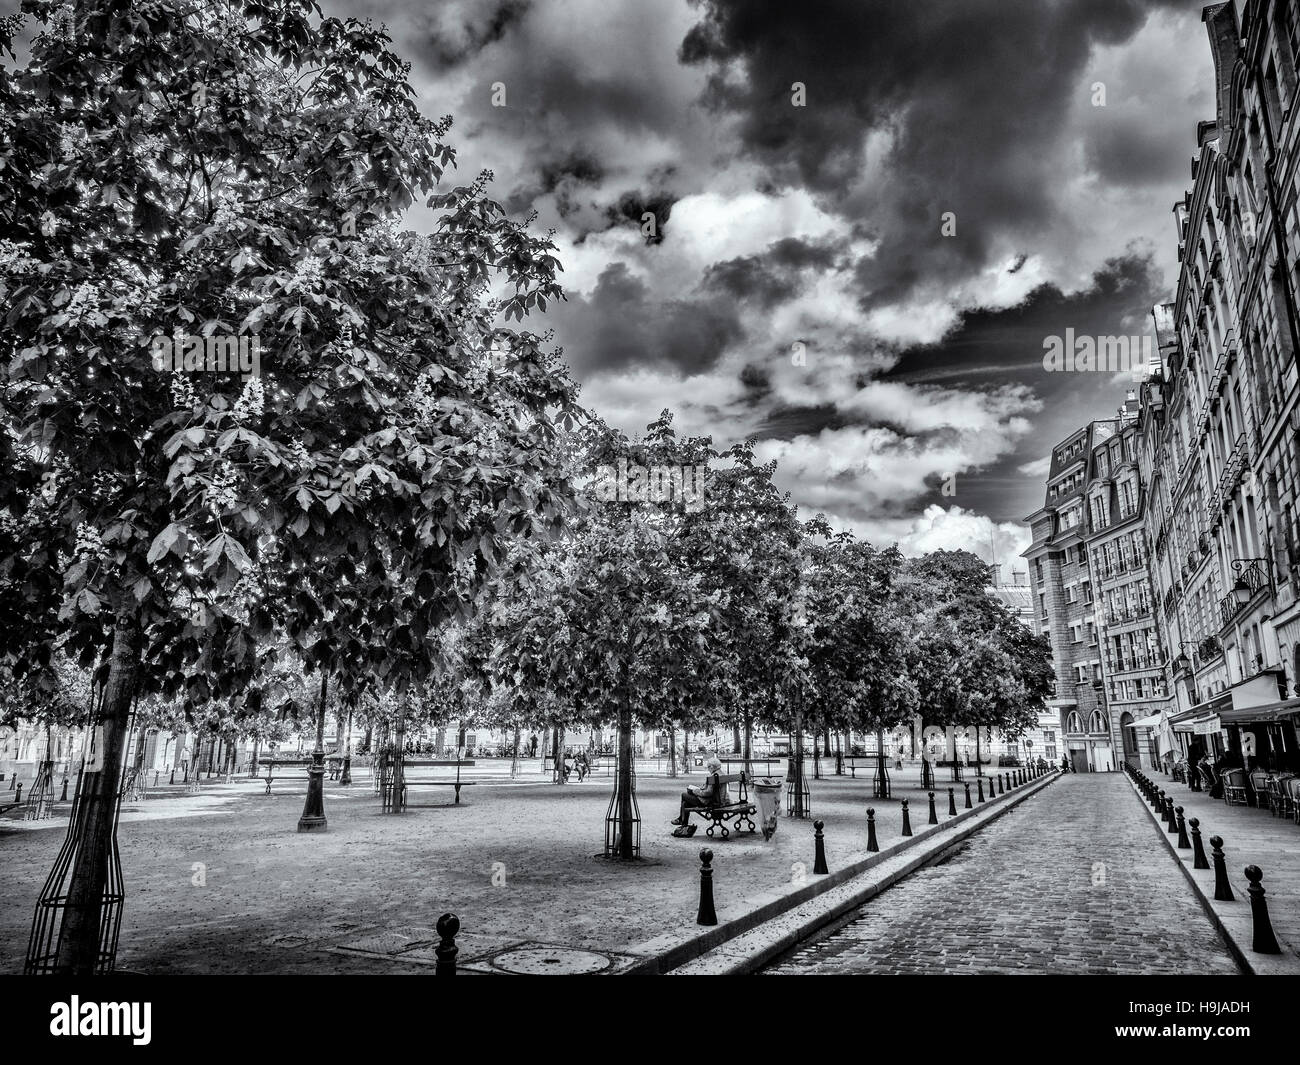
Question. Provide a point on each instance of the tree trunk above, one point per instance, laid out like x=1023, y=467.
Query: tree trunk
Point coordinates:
x=735, y=731
x=749, y=737
x=796, y=764
x=624, y=845
x=79, y=934
x=817, y=765
x=514, y=757
x=672, y=751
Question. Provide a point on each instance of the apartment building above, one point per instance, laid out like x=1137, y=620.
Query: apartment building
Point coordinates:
x=1064, y=595
x=1220, y=428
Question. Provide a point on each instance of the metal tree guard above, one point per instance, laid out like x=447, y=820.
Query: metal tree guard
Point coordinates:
x=624, y=790
x=52, y=903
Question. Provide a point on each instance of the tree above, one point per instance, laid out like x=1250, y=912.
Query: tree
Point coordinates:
x=228, y=170
x=972, y=661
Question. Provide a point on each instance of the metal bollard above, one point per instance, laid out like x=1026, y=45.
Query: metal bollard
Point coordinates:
x=968, y=803
x=1171, y=818
x=20, y=792
x=1265, y=942
x=707, y=914
x=980, y=786
x=907, y=820
x=173, y=779
x=934, y=817
x=872, y=845
x=446, y=950
x=952, y=803
x=819, y=860
x=64, y=796
x=1002, y=787
x=1199, y=861
x=1184, y=844
x=1222, y=889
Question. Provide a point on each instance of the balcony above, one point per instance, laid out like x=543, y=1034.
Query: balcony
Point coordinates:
x=1228, y=481
x=1253, y=576
x=1123, y=614
x=1128, y=663
x=1207, y=651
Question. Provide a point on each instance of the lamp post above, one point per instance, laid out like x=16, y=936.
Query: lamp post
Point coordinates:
x=346, y=778
x=313, y=810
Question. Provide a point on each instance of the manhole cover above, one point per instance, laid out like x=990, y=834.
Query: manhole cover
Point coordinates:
x=558, y=961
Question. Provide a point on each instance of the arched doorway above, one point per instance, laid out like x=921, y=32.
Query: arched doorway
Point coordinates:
x=1129, y=732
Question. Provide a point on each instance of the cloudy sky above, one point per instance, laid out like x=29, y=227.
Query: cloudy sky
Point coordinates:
x=1053, y=135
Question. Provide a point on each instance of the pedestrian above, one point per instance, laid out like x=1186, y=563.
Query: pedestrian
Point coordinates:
x=713, y=792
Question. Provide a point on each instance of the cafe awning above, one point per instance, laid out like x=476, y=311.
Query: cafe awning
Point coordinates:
x=1267, y=714
x=1147, y=722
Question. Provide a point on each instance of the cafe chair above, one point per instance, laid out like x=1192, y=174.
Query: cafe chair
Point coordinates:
x=1234, y=787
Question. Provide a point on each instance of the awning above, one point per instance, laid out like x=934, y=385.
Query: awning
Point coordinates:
x=1147, y=722
x=1269, y=713
x=1202, y=724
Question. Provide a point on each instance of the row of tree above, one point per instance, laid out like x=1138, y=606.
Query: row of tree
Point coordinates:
x=399, y=502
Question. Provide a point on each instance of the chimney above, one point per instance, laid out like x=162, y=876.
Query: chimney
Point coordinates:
x=1020, y=579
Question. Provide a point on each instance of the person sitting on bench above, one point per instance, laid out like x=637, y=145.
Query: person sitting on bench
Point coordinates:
x=711, y=793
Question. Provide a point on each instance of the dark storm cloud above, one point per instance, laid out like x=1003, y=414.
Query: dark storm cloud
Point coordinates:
x=1009, y=342
x=461, y=36
x=998, y=347
x=975, y=96
x=567, y=176
x=621, y=325
x=1131, y=151
x=785, y=422
x=773, y=276
x=634, y=206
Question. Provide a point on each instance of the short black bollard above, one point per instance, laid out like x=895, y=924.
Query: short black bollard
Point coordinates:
x=819, y=860
x=1171, y=818
x=872, y=845
x=1184, y=844
x=446, y=950
x=934, y=817
x=1199, y=861
x=173, y=779
x=952, y=803
x=1002, y=786
x=979, y=784
x=1222, y=889
x=1265, y=942
x=907, y=820
x=968, y=803
x=707, y=914
x=64, y=796
x=20, y=791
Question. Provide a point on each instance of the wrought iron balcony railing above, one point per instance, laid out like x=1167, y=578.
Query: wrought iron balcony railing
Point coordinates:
x=1252, y=576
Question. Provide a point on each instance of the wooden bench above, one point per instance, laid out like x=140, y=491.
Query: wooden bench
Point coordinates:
x=457, y=783
x=272, y=763
x=739, y=811
x=869, y=761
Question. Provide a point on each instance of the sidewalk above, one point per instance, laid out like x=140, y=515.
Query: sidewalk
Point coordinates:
x=1250, y=837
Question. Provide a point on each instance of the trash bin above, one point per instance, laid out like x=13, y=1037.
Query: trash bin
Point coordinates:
x=768, y=792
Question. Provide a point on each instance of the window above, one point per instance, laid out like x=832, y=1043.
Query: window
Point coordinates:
x=1049, y=752
x=1073, y=722
x=1098, y=723
x=1049, y=735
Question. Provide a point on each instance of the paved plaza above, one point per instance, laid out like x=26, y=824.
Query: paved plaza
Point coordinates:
x=1073, y=880
x=517, y=861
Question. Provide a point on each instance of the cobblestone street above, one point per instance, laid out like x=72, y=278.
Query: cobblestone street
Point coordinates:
x=1074, y=880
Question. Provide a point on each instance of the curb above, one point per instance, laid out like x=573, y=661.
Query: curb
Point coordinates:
x=935, y=838
x=1241, y=955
